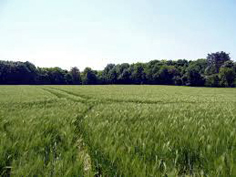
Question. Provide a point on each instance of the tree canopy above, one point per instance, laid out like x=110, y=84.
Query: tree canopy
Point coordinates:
x=217, y=70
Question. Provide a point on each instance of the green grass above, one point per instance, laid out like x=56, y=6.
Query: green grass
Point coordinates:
x=117, y=131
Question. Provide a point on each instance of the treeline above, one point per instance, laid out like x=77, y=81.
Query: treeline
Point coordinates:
x=217, y=70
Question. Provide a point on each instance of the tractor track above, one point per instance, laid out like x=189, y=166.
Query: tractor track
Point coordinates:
x=110, y=101
x=90, y=168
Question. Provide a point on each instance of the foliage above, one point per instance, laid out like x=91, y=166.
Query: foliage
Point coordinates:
x=213, y=80
x=17, y=72
x=227, y=76
x=194, y=73
x=89, y=76
x=215, y=61
x=75, y=76
x=217, y=70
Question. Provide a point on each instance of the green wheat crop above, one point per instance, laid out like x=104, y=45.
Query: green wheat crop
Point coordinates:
x=117, y=131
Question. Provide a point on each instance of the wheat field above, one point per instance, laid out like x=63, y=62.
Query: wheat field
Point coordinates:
x=117, y=131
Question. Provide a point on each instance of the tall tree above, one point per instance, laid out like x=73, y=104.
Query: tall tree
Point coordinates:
x=194, y=76
x=227, y=74
x=17, y=72
x=75, y=74
x=109, y=74
x=215, y=61
x=138, y=75
x=123, y=73
x=89, y=77
x=212, y=80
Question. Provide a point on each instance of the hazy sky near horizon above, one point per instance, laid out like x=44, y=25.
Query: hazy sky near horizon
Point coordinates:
x=97, y=32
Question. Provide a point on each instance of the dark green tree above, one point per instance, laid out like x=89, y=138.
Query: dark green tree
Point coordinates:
x=109, y=74
x=215, y=61
x=138, y=76
x=75, y=75
x=89, y=77
x=212, y=80
x=166, y=74
x=194, y=78
x=227, y=74
x=123, y=73
x=17, y=72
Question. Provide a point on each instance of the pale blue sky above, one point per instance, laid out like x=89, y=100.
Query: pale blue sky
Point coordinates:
x=82, y=33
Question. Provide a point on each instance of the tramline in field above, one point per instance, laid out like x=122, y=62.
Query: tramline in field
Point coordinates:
x=117, y=131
